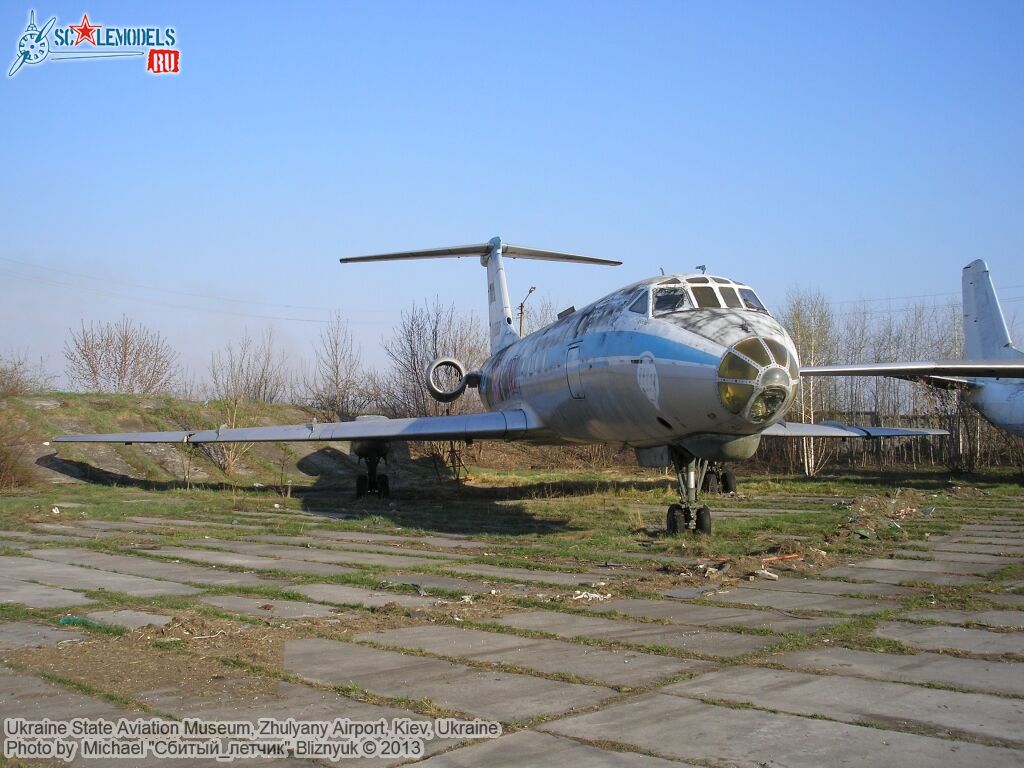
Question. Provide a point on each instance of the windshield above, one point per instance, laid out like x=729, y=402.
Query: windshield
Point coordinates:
x=668, y=300
x=750, y=300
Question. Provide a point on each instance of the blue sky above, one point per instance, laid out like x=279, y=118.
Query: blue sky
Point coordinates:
x=866, y=149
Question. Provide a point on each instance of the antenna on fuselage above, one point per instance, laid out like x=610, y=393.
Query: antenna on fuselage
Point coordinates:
x=490, y=255
x=702, y=267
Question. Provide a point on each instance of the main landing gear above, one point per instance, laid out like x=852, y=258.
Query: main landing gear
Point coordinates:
x=371, y=482
x=687, y=515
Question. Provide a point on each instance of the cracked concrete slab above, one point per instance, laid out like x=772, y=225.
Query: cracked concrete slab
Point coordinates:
x=795, y=600
x=430, y=581
x=711, y=616
x=687, y=729
x=269, y=609
x=954, y=557
x=610, y=667
x=78, y=578
x=156, y=569
x=341, y=545
x=829, y=587
x=940, y=637
x=984, y=675
x=282, y=700
x=528, y=749
x=342, y=594
x=250, y=562
x=39, y=595
x=895, y=706
x=928, y=566
x=326, y=556
x=987, y=549
x=452, y=686
x=531, y=575
x=693, y=639
x=889, y=576
x=31, y=634
x=1001, y=619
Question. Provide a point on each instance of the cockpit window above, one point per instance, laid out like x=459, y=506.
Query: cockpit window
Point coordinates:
x=729, y=295
x=640, y=305
x=750, y=300
x=706, y=297
x=697, y=280
x=668, y=300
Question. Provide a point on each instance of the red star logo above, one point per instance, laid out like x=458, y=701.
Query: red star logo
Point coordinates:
x=86, y=32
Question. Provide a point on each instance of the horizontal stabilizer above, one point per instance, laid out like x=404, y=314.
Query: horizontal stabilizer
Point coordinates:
x=499, y=425
x=1007, y=369
x=834, y=429
x=483, y=249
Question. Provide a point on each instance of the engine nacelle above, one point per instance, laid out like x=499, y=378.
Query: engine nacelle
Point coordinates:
x=437, y=391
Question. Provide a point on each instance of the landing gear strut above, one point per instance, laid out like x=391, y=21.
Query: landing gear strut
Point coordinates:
x=371, y=482
x=687, y=515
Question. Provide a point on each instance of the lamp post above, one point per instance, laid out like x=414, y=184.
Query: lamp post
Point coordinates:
x=522, y=308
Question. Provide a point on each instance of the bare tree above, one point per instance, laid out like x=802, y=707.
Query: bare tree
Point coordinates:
x=812, y=327
x=538, y=314
x=336, y=385
x=423, y=335
x=120, y=357
x=252, y=371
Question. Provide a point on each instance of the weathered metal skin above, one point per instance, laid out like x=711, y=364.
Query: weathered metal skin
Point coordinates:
x=1002, y=403
x=608, y=374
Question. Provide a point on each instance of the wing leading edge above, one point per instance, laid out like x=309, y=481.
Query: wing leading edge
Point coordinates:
x=495, y=425
x=834, y=429
x=923, y=369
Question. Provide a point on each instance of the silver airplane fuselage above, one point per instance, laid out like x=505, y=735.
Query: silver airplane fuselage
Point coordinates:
x=619, y=371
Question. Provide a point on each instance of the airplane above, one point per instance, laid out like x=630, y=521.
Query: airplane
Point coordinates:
x=989, y=354
x=682, y=368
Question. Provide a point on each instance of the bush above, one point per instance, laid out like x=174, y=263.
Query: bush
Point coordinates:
x=15, y=469
x=20, y=377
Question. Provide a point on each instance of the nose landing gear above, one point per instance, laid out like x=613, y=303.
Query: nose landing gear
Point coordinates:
x=687, y=515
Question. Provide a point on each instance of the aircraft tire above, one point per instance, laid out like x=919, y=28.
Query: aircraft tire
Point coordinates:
x=383, y=486
x=362, y=485
x=728, y=481
x=703, y=521
x=712, y=484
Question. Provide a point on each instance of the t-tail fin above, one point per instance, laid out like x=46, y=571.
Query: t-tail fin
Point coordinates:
x=986, y=336
x=490, y=255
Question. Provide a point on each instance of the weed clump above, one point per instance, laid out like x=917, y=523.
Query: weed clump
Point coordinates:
x=15, y=470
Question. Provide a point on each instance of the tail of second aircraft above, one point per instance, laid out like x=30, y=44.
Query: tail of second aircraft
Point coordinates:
x=986, y=336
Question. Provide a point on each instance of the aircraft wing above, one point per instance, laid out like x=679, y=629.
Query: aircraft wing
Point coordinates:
x=496, y=425
x=834, y=429
x=926, y=369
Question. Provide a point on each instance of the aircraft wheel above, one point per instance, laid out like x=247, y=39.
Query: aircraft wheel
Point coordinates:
x=703, y=520
x=711, y=483
x=362, y=485
x=383, y=486
x=728, y=481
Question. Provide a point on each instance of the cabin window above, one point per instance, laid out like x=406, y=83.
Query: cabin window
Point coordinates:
x=640, y=305
x=750, y=300
x=730, y=297
x=706, y=296
x=668, y=300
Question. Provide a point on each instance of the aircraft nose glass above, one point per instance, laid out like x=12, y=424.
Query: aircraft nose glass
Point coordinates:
x=756, y=378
